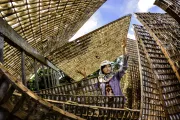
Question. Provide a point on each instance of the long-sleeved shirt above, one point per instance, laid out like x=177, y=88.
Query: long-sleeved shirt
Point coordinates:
x=115, y=79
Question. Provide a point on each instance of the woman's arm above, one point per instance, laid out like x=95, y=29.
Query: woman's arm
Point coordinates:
x=82, y=72
x=122, y=63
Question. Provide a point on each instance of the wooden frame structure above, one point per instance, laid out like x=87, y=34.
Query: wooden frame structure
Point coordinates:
x=34, y=26
x=131, y=80
x=42, y=24
x=166, y=81
x=90, y=50
x=151, y=107
x=45, y=25
x=165, y=30
x=18, y=102
x=172, y=7
x=15, y=93
x=26, y=59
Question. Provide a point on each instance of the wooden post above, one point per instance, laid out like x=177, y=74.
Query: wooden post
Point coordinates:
x=57, y=78
x=1, y=48
x=58, y=75
x=36, y=75
x=51, y=75
x=54, y=76
x=49, y=84
x=62, y=74
x=23, y=68
x=45, y=84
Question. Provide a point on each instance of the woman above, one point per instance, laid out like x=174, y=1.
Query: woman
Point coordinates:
x=109, y=79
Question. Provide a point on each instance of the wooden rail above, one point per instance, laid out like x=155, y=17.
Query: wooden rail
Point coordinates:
x=84, y=87
x=103, y=101
x=96, y=112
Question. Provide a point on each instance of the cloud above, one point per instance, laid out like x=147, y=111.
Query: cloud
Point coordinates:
x=131, y=36
x=130, y=6
x=122, y=7
x=112, y=10
x=145, y=5
x=131, y=29
x=89, y=26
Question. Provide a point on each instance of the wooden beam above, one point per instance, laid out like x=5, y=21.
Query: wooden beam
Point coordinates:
x=7, y=95
x=57, y=78
x=49, y=84
x=23, y=70
x=45, y=84
x=14, y=39
x=36, y=75
x=1, y=48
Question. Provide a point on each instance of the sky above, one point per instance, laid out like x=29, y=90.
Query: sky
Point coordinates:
x=114, y=9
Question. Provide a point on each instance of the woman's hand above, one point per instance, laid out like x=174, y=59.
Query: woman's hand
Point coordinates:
x=124, y=48
x=82, y=72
